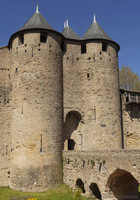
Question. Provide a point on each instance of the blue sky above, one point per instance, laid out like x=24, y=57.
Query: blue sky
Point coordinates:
x=120, y=19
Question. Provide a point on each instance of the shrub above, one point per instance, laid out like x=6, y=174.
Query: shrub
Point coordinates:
x=78, y=195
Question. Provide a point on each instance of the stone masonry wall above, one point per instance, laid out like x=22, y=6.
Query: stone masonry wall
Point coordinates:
x=5, y=116
x=131, y=124
x=36, y=128
x=5, y=144
x=103, y=168
x=91, y=89
x=4, y=66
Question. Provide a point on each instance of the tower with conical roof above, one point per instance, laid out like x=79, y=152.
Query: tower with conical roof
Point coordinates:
x=91, y=92
x=69, y=33
x=36, y=129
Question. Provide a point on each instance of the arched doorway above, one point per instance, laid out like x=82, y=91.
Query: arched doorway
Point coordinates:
x=123, y=185
x=80, y=184
x=95, y=190
x=70, y=125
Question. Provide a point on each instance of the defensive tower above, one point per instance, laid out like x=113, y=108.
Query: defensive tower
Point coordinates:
x=36, y=129
x=91, y=91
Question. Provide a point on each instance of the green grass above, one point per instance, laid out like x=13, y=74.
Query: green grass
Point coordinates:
x=61, y=192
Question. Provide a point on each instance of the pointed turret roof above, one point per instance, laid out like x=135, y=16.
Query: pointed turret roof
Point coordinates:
x=95, y=32
x=69, y=33
x=36, y=21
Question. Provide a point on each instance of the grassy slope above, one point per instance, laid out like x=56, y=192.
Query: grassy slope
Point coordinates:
x=60, y=193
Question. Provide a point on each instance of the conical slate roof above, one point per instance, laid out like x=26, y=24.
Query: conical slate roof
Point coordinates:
x=36, y=21
x=95, y=32
x=69, y=33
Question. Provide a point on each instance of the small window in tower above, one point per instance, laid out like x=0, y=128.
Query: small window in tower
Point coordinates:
x=71, y=144
x=21, y=39
x=43, y=38
x=104, y=47
x=63, y=46
x=83, y=48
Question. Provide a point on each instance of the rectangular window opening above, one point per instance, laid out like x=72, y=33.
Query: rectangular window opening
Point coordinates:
x=63, y=47
x=43, y=38
x=41, y=143
x=71, y=144
x=104, y=47
x=21, y=39
x=83, y=48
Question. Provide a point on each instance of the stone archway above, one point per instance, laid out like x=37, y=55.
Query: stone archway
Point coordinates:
x=123, y=185
x=70, y=126
x=95, y=190
x=80, y=184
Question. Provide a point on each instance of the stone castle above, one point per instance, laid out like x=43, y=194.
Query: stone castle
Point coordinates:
x=60, y=98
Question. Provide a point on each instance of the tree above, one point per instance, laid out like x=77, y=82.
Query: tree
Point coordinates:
x=128, y=79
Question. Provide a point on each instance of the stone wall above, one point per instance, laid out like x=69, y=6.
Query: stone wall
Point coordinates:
x=91, y=89
x=104, y=168
x=5, y=144
x=4, y=66
x=5, y=116
x=131, y=124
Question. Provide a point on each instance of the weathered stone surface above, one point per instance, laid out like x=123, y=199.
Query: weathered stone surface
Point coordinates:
x=61, y=92
x=36, y=128
x=103, y=167
x=91, y=89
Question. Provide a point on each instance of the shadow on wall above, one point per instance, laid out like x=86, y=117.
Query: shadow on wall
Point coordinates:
x=123, y=185
x=70, y=125
x=133, y=110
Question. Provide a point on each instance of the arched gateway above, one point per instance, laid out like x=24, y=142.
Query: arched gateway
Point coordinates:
x=123, y=185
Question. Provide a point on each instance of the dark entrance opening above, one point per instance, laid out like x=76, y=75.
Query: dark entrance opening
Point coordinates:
x=80, y=184
x=123, y=185
x=71, y=144
x=95, y=190
x=69, y=127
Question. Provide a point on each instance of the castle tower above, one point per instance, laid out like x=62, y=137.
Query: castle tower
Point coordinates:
x=36, y=129
x=91, y=92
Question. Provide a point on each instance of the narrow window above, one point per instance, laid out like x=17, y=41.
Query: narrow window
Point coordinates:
x=83, y=48
x=6, y=149
x=62, y=46
x=43, y=38
x=21, y=39
x=104, y=47
x=71, y=144
x=94, y=118
x=41, y=143
x=32, y=52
